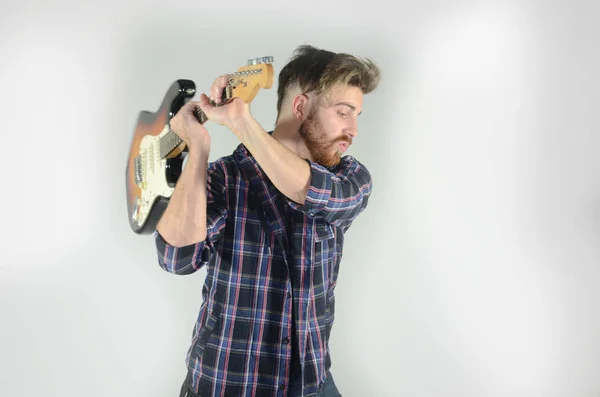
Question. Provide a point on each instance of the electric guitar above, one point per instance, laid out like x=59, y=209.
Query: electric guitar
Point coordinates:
x=157, y=154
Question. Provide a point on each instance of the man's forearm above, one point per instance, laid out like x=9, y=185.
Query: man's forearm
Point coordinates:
x=184, y=220
x=289, y=173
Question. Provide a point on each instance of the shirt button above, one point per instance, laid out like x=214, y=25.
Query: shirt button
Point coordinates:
x=286, y=341
x=289, y=294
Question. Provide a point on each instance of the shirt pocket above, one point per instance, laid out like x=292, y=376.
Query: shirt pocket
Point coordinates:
x=324, y=250
x=323, y=231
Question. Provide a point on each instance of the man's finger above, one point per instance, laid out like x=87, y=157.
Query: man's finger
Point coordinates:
x=192, y=104
x=217, y=88
x=215, y=91
x=205, y=105
x=203, y=101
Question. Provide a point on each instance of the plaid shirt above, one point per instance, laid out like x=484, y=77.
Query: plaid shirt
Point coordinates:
x=266, y=270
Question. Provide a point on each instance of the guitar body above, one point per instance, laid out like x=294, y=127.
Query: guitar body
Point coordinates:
x=150, y=179
x=157, y=154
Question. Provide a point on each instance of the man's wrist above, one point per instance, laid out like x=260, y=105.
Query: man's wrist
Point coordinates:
x=198, y=155
x=244, y=126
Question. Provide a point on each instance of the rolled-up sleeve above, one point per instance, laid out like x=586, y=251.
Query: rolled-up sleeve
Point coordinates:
x=337, y=196
x=186, y=260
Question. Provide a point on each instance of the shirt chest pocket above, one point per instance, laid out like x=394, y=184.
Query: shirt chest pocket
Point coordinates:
x=324, y=242
x=323, y=231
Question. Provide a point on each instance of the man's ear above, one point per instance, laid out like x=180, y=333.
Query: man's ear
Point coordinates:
x=300, y=106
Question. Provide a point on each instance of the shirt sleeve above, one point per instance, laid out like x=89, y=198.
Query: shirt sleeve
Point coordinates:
x=338, y=196
x=186, y=260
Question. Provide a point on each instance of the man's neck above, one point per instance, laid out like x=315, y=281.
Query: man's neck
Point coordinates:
x=286, y=133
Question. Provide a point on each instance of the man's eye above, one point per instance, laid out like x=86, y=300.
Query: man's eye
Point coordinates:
x=342, y=114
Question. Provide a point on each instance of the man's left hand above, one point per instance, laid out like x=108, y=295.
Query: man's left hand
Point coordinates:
x=226, y=114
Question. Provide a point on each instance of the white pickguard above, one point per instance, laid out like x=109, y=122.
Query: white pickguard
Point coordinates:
x=154, y=182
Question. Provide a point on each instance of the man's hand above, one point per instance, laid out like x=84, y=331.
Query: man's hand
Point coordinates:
x=187, y=127
x=289, y=173
x=227, y=114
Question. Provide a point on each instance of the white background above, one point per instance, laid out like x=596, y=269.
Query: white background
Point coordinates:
x=474, y=271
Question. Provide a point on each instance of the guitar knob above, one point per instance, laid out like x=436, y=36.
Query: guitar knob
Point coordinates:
x=252, y=62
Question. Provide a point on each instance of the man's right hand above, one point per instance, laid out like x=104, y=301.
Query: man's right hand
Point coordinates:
x=189, y=129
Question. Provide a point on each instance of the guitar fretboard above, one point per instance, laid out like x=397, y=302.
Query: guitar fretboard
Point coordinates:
x=168, y=143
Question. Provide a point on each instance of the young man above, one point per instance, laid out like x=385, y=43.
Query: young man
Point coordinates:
x=268, y=222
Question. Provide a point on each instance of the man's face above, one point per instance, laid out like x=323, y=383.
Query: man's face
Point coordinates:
x=331, y=125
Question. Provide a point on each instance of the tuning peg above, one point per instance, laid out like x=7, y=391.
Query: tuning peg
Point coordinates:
x=256, y=61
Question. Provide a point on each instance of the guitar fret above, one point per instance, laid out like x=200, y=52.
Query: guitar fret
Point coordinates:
x=168, y=143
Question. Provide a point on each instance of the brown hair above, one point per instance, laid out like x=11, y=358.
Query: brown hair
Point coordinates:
x=314, y=69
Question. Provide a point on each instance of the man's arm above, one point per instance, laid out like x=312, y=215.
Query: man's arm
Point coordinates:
x=340, y=196
x=288, y=172
x=192, y=222
x=311, y=188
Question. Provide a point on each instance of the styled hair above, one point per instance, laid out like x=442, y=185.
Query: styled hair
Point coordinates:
x=314, y=69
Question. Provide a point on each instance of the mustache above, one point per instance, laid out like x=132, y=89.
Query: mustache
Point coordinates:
x=346, y=139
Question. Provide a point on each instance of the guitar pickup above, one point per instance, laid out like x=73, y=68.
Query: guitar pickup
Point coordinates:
x=137, y=172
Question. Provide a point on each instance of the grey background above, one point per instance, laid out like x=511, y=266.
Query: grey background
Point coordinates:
x=473, y=272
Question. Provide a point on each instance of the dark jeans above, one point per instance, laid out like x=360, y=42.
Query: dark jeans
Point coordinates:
x=329, y=389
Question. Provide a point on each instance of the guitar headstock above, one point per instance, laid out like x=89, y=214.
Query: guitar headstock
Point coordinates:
x=249, y=79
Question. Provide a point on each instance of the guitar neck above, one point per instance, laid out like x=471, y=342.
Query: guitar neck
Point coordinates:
x=171, y=140
x=244, y=83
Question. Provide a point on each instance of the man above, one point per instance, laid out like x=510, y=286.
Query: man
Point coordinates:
x=268, y=222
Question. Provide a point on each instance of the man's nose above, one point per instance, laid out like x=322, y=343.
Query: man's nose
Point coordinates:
x=352, y=128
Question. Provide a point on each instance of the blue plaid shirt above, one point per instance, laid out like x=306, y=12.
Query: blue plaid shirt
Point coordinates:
x=266, y=271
